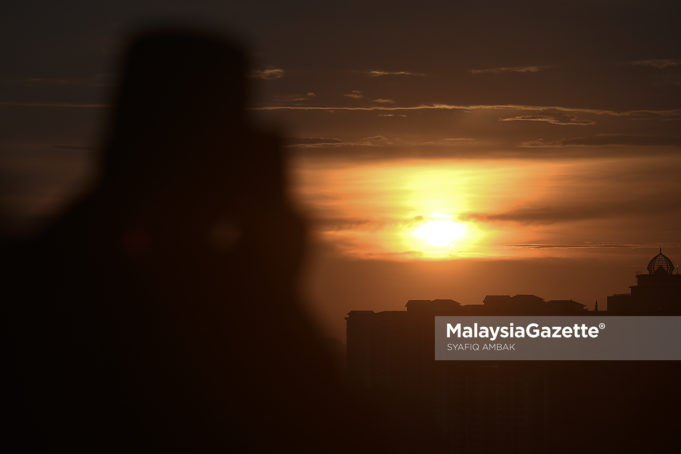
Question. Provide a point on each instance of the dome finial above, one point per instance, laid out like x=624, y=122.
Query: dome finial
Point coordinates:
x=661, y=263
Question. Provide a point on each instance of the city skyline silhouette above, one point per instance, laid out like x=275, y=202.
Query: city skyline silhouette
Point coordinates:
x=524, y=406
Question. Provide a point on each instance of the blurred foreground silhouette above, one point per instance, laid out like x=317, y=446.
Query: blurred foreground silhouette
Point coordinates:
x=160, y=313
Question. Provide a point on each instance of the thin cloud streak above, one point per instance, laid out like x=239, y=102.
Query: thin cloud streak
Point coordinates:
x=666, y=113
x=54, y=104
x=651, y=205
x=98, y=80
x=268, y=73
x=568, y=120
x=298, y=141
x=580, y=245
x=296, y=97
x=510, y=69
x=671, y=114
x=604, y=140
x=354, y=94
x=373, y=141
x=658, y=63
x=379, y=73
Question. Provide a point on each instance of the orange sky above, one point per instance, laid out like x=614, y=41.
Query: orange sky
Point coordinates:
x=560, y=228
x=501, y=208
x=452, y=150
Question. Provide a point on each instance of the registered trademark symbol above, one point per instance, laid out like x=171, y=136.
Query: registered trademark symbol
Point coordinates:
x=601, y=325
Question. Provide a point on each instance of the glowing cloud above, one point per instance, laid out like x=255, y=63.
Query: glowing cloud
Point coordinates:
x=268, y=73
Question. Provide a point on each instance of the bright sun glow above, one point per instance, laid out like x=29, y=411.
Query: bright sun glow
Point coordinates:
x=440, y=232
x=417, y=210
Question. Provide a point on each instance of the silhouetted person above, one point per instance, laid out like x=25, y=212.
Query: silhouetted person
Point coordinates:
x=160, y=313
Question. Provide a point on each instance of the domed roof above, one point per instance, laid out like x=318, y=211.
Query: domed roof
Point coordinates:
x=660, y=262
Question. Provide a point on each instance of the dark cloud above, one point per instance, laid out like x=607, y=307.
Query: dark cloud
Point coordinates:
x=559, y=120
x=510, y=69
x=331, y=223
x=268, y=73
x=600, y=140
x=382, y=149
x=100, y=80
x=69, y=105
x=313, y=140
x=585, y=245
x=296, y=97
x=373, y=141
x=553, y=110
x=621, y=139
x=658, y=63
x=664, y=204
x=381, y=73
x=338, y=224
x=354, y=94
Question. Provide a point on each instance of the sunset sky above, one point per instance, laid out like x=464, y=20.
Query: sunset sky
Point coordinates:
x=439, y=149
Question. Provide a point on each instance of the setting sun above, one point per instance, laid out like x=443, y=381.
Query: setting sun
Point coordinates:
x=440, y=232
